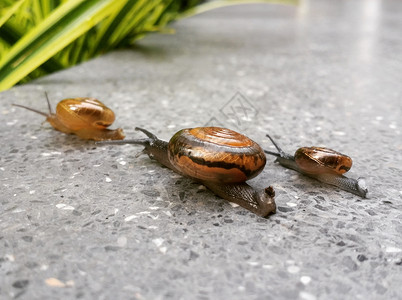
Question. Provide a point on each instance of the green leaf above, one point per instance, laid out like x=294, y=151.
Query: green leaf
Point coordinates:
x=222, y=3
x=42, y=36
x=63, y=26
x=10, y=11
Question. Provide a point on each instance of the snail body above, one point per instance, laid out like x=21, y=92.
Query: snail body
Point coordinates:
x=323, y=164
x=219, y=158
x=85, y=117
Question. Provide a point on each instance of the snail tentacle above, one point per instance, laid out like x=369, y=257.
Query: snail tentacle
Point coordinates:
x=32, y=109
x=48, y=104
x=153, y=147
x=147, y=133
x=281, y=153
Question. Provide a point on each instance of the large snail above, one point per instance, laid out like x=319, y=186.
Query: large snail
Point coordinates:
x=219, y=158
x=323, y=164
x=87, y=118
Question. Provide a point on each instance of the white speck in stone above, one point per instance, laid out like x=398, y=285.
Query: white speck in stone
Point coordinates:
x=291, y=204
x=163, y=249
x=241, y=288
x=151, y=171
x=158, y=198
x=154, y=207
x=70, y=283
x=307, y=296
x=340, y=133
x=44, y=267
x=233, y=204
x=293, y=269
x=379, y=118
x=11, y=123
x=202, y=187
x=107, y=179
x=168, y=213
x=318, y=128
x=158, y=242
x=268, y=267
x=122, y=241
x=32, y=192
x=392, y=250
x=2, y=169
x=51, y=153
x=18, y=210
x=123, y=163
x=152, y=227
x=15, y=195
x=305, y=280
x=253, y=263
x=116, y=210
x=392, y=126
x=9, y=257
x=64, y=206
x=171, y=126
x=153, y=217
x=143, y=213
x=129, y=218
x=95, y=166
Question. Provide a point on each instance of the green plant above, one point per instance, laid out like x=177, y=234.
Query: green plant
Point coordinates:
x=42, y=36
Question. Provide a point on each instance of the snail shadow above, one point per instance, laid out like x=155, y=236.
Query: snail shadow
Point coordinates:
x=67, y=142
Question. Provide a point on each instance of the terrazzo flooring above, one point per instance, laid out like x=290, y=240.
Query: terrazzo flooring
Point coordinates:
x=83, y=221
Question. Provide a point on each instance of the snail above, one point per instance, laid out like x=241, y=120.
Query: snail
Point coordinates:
x=87, y=118
x=219, y=158
x=323, y=164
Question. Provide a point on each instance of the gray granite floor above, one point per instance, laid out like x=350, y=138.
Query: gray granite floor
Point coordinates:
x=96, y=222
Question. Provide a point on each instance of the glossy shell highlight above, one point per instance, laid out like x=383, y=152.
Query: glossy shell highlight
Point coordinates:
x=317, y=160
x=80, y=113
x=215, y=154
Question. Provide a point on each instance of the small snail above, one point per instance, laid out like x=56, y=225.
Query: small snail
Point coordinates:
x=84, y=117
x=219, y=158
x=323, y=164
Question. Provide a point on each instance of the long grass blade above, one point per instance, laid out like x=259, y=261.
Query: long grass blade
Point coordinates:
x=10, y=11
x=222, y=3
x=64, y=25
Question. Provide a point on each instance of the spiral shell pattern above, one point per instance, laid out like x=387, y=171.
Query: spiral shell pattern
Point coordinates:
x=83, y=113
x=215, y=154
x=317, y=160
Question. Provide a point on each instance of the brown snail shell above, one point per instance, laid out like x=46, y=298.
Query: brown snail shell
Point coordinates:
x=216, y=154
x=318, y=160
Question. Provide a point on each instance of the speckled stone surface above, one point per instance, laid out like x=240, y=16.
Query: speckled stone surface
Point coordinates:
x=80, y=221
